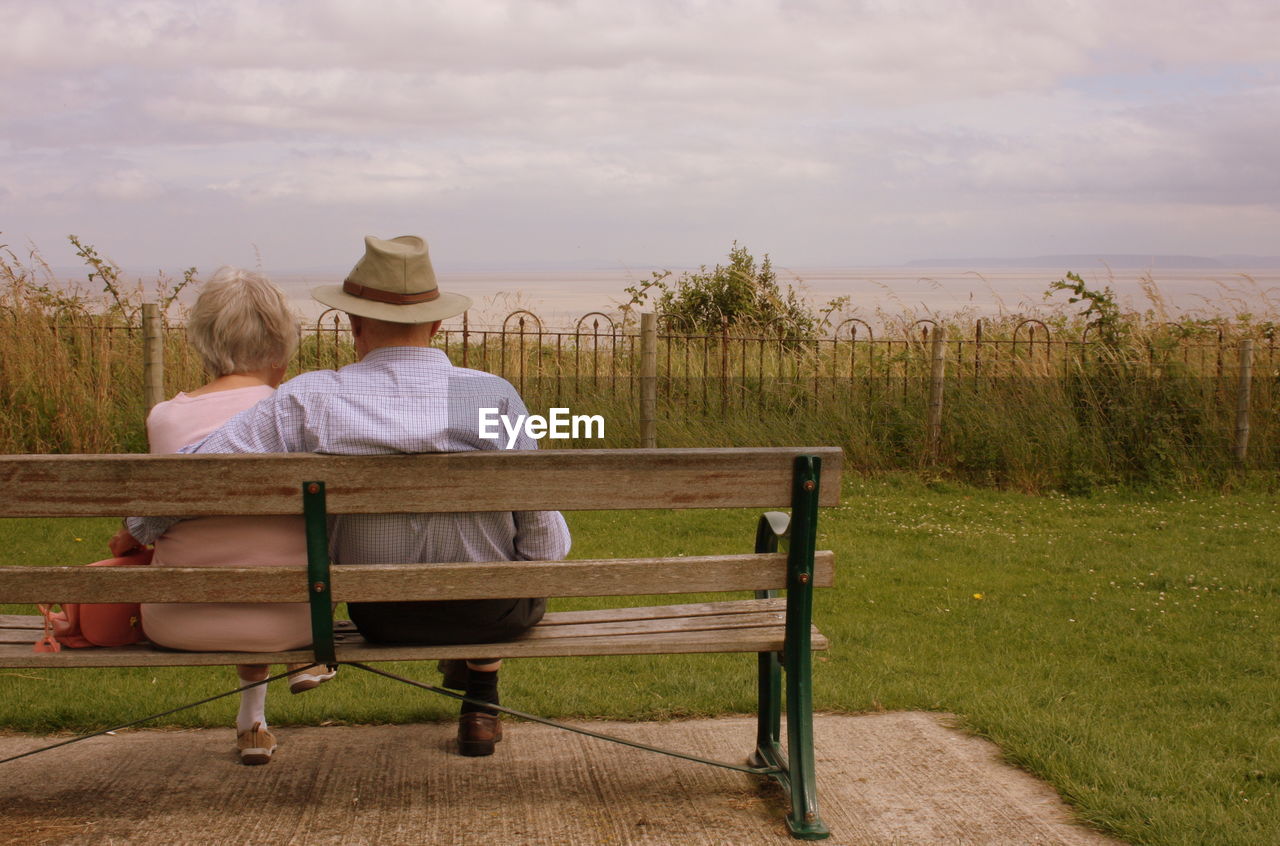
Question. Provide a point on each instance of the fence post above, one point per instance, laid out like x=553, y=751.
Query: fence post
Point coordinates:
x=466, y=342
x=648, y=380
x=977, y=352
x=724, y=363
x=152, y=355
x=1242, y=400
x=936, y=374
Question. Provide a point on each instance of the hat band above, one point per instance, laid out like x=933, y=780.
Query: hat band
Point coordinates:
x=355, y=289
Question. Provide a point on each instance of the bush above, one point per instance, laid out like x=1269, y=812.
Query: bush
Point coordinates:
x=739, y=295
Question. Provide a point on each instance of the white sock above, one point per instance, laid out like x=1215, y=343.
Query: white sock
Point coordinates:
x=253, y=707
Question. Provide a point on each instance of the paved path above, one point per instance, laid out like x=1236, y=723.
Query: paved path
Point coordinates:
x=897, y=778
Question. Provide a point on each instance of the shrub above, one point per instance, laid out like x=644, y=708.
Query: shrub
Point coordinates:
x=739, y=295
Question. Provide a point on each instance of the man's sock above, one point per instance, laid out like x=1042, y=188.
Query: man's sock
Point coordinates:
x=253, y=707
x=482, y=686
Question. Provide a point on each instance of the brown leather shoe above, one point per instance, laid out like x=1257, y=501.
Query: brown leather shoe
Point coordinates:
x=477, y=733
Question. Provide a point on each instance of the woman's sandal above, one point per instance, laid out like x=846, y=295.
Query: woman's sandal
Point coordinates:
x=256, y=745
x=304, y=681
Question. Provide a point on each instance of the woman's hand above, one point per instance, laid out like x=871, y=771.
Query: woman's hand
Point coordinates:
x=122, y=543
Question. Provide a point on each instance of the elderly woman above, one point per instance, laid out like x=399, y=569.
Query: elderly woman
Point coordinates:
x=245, y=331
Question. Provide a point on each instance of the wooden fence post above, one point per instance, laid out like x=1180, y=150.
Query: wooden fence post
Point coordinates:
x=466, y=341
x=724, y=363
x=936, y=375
x=648, y=380
x=152, y=355
x=1242, y=400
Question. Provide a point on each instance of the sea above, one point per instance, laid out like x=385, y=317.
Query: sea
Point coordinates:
x=880, y=295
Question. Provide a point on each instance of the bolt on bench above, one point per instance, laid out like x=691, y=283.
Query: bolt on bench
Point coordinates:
x=778, y=629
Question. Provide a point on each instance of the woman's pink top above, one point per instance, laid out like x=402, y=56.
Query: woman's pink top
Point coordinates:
x=223, y=542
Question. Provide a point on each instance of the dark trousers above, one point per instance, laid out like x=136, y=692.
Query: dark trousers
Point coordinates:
x=446, y=622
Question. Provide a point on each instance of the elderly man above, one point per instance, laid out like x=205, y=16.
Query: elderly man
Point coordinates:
x=405, y=396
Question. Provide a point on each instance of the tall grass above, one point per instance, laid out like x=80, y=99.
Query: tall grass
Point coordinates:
x=1075, y=411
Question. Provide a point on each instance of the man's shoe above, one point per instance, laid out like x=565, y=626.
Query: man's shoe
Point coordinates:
x=477, y=733
x=454, y=671
x=256, y=745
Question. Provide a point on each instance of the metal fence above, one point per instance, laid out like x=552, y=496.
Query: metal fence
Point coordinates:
x=922, y=371
x=604, y=351
x=716, y=369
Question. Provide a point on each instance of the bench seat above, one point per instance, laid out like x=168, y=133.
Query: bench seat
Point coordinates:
x=730, y=626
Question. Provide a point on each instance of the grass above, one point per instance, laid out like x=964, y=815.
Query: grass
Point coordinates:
x=1122, y=646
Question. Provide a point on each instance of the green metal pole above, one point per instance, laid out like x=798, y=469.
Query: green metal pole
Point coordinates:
x=315, y=516
x=797, y=653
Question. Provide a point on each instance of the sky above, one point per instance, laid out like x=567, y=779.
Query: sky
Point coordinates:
x=649, y=134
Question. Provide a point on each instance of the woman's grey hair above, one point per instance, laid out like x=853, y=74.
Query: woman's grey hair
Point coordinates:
x=242, y=322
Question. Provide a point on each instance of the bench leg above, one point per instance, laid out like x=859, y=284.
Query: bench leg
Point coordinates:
x=798, y=774
x=794, y=769
x=803, y=819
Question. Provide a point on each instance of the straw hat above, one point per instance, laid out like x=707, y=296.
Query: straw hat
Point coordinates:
x=393, y=281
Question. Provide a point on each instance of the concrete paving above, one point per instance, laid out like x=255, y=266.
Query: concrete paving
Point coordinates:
x=895, y=778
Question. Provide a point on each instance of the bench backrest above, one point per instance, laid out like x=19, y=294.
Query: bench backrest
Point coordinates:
x=562, y=480
x=567, y=480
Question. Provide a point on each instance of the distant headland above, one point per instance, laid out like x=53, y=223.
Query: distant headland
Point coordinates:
x=1083, y=261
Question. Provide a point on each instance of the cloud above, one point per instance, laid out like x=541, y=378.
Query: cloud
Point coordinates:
x=250, y=69
x=813, y=120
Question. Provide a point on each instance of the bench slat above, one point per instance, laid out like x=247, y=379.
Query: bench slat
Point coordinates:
x=696, y=623
x=654, y=612
x=394, y=582
x=16, y=627
x=22, y=625
x=565, y=480
x=672, y=621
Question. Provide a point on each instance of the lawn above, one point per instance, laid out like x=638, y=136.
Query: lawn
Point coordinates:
x=1125, y=646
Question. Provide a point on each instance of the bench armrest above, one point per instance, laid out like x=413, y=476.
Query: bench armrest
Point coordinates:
x=772, y=526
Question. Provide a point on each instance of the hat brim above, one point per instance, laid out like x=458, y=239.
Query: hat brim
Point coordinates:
x=441, y=308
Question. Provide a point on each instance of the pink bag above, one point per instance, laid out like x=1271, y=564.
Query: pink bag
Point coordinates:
x=94, y=623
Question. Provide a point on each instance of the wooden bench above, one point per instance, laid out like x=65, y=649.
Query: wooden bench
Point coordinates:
x=778, y=629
